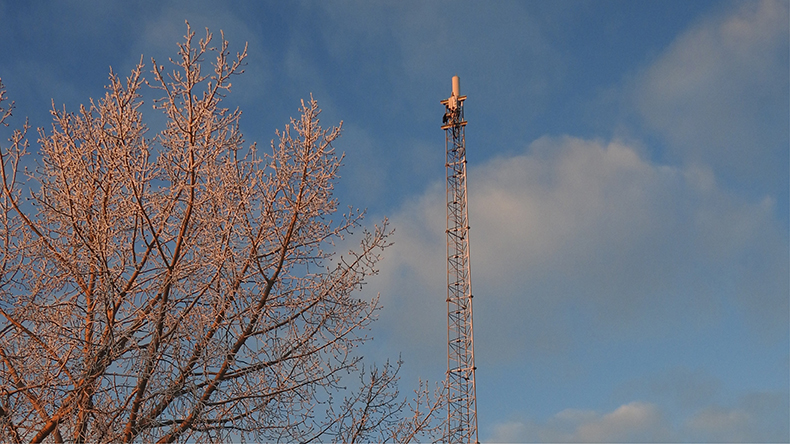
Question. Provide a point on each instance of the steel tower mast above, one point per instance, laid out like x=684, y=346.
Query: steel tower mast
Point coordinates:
x=462, y=403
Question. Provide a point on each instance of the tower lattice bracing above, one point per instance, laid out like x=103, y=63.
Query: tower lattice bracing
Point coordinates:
x=462, y=404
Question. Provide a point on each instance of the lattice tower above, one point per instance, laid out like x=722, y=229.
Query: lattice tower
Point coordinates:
x=462, y=403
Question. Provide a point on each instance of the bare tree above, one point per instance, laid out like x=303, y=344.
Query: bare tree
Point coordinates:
x=183, y=286
x=373, y=413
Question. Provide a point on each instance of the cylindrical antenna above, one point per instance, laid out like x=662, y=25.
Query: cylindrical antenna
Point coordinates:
x=456, y=86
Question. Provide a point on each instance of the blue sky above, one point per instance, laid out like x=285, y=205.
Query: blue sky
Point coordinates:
x=628, y=185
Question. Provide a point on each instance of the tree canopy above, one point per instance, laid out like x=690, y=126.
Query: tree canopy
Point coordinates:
x=183, y=285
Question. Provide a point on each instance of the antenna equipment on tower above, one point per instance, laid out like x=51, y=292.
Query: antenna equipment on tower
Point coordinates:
x=461, y=401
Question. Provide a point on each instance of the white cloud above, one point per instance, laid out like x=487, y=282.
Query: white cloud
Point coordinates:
x=587, y=226
x=511, y=431
x=719, y=95
x=633, y=422
x=756, y=417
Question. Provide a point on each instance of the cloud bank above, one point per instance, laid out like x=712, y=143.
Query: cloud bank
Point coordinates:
x=587, y=225
x=719, y=94
x=753, y=418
